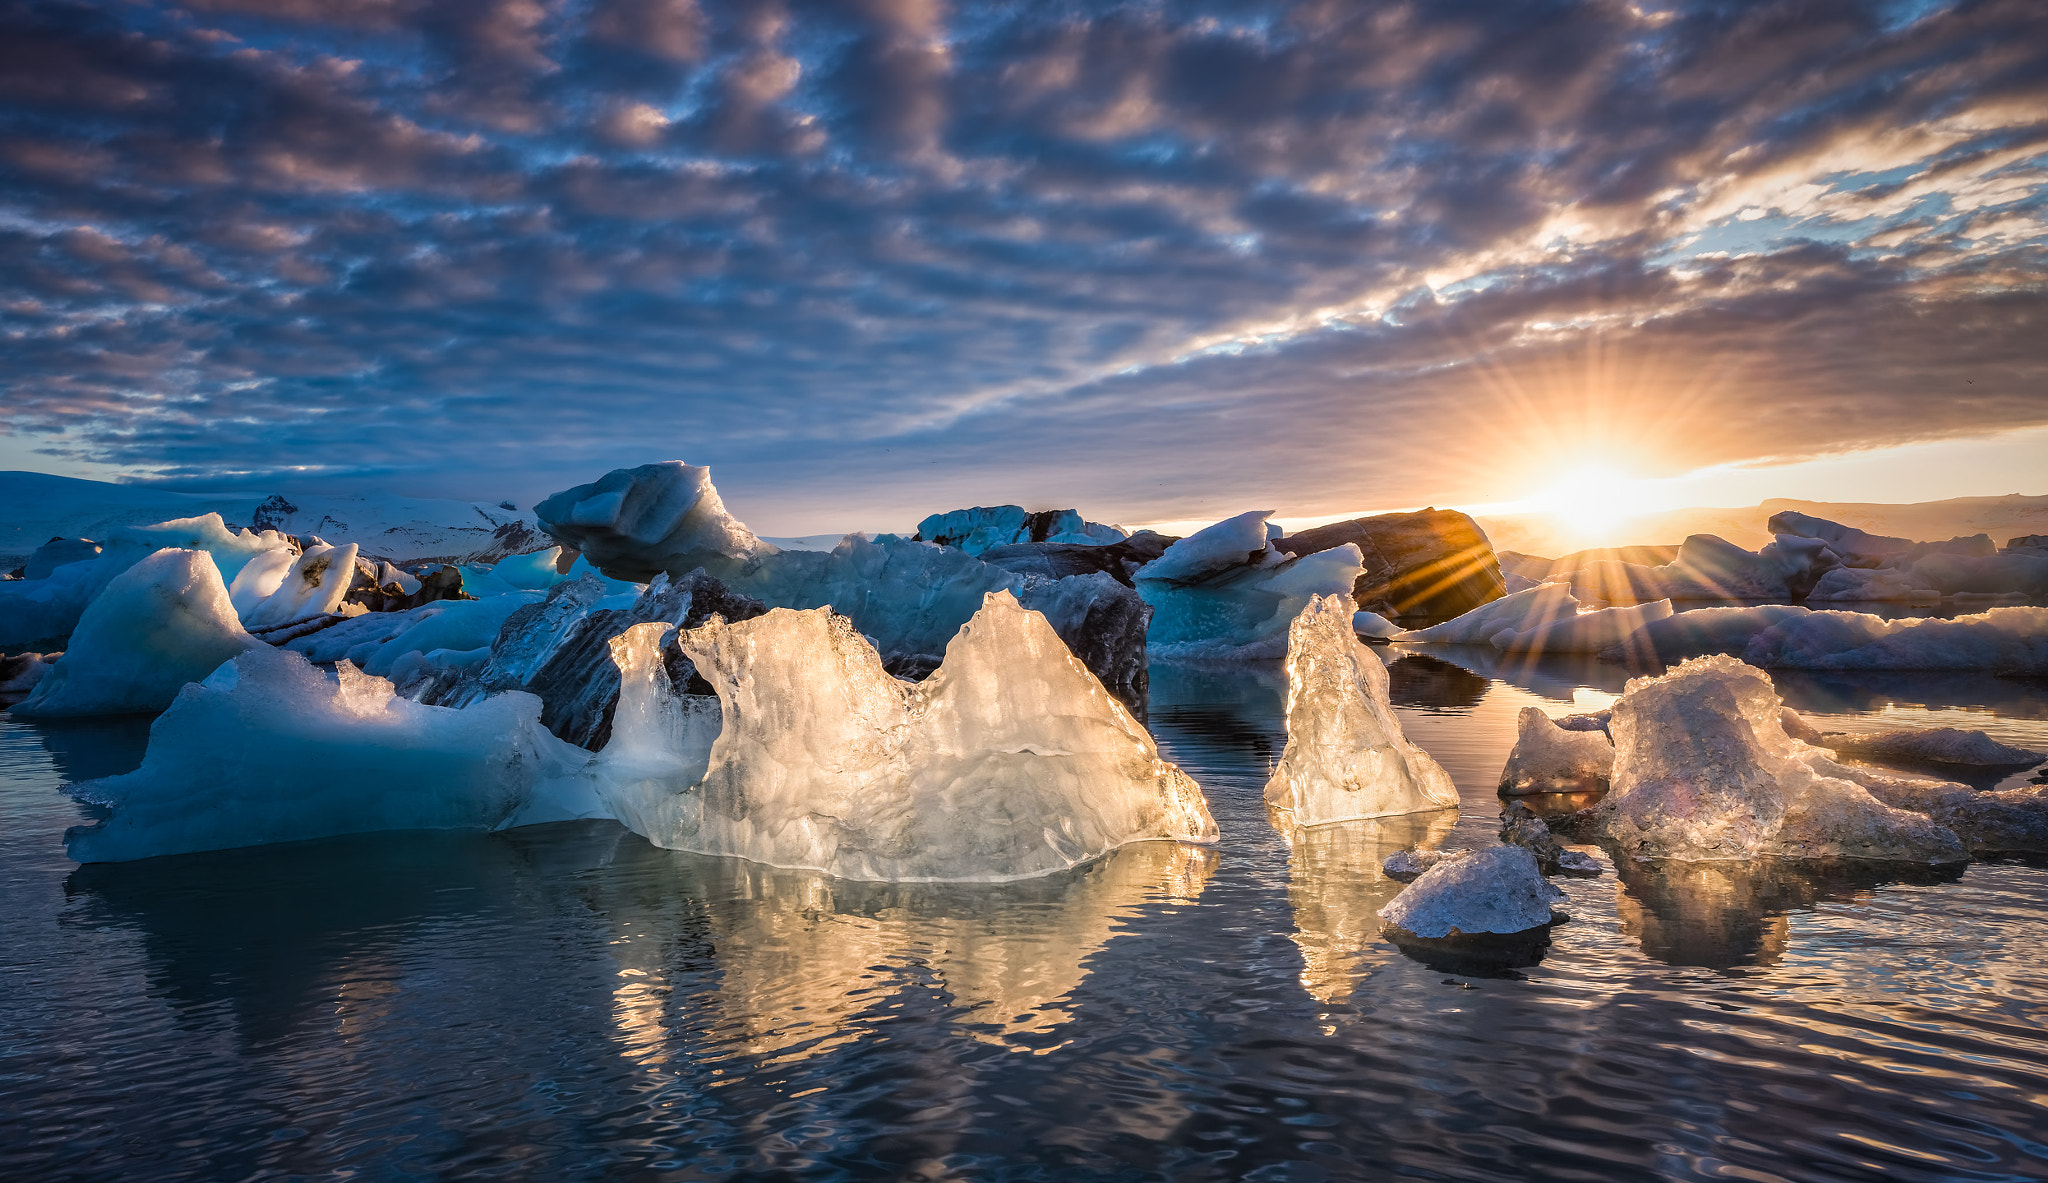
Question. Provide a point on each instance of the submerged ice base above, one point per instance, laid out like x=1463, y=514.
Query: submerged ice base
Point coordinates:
x=1346, y=757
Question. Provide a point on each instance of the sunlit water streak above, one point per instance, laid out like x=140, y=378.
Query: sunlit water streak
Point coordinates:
x=566, y=1002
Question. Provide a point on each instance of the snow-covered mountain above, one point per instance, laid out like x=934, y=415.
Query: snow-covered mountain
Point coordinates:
x=35, y=507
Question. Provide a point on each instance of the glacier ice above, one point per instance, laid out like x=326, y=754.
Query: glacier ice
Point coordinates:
x=1699, y=632
x=269, y=749
x=1932, y=745
x=1372, y=624
x=1588, y=632
x=634, y=523
x=564, y=650
x=1521, y=611
x=316, y=585
x=1869, y=585
x=984, y=527
x=1346, y=757
x=910, y=598
x=161, y=623
x=456, y=625
x=260, y=578
x=59, y=552
x=1703, y=771
x=1009, y=761
x=1226, y=593
x=45, y=609
x=1494, y=891
x=2011, y=640
x=21, y=672
x=1547, y=758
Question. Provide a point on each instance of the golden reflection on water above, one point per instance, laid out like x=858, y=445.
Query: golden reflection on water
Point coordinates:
x=1336, y=889
x=807, y=963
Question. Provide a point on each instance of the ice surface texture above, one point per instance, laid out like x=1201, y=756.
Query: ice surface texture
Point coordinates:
x=634, y=523
x=269, y=749
x=1009, y=761
x=1225, y=593
x=161, y=623
x=1498, y=890
x=1547, y=758
x=2001, y=640
x=1703, y=770
x=1346, y=756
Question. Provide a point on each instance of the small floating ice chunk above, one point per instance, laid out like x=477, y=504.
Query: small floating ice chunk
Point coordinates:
x=1496, y=891
x=1346, y=756
x=161, y=623
x=1704, y=770
x=1548, y=758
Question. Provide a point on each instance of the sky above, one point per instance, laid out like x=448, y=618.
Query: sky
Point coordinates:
x=1159, y=261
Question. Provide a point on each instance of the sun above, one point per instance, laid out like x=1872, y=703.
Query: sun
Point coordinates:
x=1591, y=502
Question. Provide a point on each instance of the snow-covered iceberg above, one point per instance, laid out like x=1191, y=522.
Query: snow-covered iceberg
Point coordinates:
x=634, y=523
x=1704, y=770
x=1226, y=593
x=1346, y=757
x=1009, y=761
x=1547, y=758
x=161, y=623
x=269, y=749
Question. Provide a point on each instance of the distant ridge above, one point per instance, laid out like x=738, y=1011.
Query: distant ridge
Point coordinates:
x=2001, y=517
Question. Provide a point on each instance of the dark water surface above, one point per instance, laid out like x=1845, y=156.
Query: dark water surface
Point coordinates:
x=568, y=1003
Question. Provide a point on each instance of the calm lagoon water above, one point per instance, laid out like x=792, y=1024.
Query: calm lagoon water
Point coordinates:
x=568, y=1003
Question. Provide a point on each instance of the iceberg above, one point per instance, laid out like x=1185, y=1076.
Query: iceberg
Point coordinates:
x=456, y=625
x=45, y=609
x=2011, y=640
x=269, y=749
x=1699, y=632
x=1226, y=593
x=59, y=552
x=1496, y=891
x=634, y=523
x=1588, y=632
x=1433, y=562
x=21, y=672
x=316, y=585
x=1520, y=611
x=1010, y=761
x=1931, y=745
x=1346, y=757
x=564, y=650
x=984, y=527
x=1867, y=585
x=910, y=598
x=161, y=623
x=1548, y=758
x=1997, y=822
x=1704, y=771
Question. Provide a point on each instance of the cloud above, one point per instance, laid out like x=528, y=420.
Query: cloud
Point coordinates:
x=889, y=253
